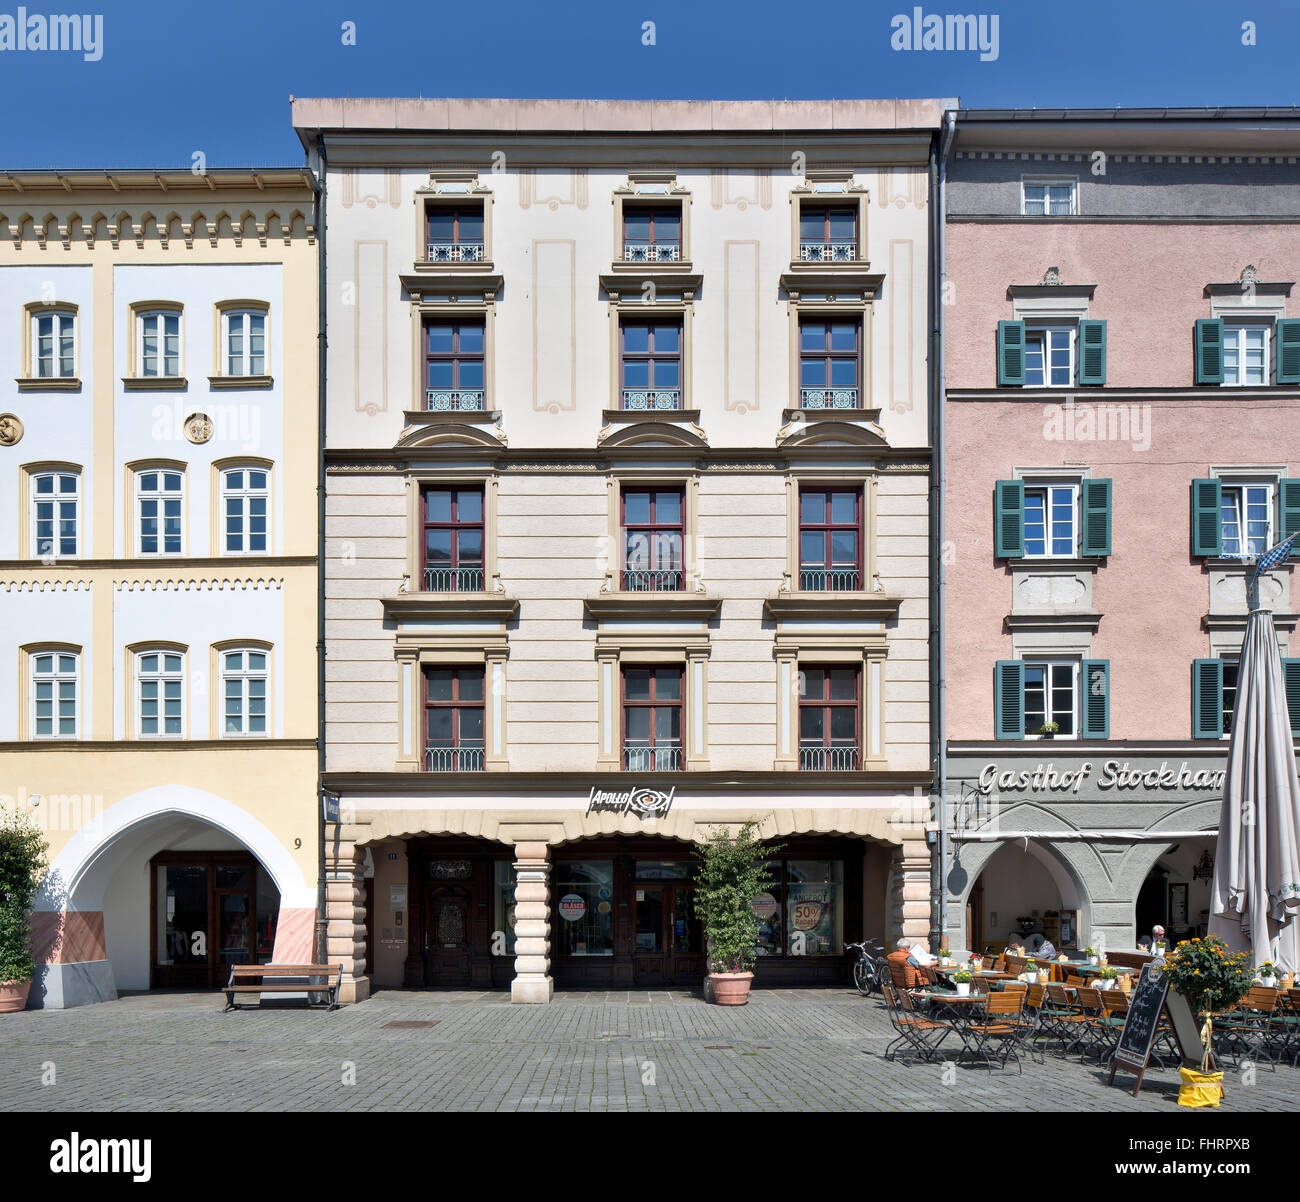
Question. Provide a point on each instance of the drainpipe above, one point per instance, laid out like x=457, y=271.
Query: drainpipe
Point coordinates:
x=322, y=921
x=938, y=634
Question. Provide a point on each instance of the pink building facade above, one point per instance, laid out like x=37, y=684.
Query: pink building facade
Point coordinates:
x=1122, y=374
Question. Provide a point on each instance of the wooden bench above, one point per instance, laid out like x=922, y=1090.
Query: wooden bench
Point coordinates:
x=252, y=978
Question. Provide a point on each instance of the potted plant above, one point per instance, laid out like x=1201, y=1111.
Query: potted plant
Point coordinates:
x=1268, y=974
x=962, y=979
x=1048, y=729
x=1091, y=954
x=732, y=872
x=945, y=957
x=976, y=961
x=1108, y=978
x=22, y=866
x=1031, y=972
x=1212, y=980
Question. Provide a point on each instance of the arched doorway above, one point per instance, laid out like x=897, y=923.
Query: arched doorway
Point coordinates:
x=167, y=888
x=1176, y=891
x=1025, y=893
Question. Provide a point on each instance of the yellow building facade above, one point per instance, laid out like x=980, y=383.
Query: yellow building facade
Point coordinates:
x=158, y=583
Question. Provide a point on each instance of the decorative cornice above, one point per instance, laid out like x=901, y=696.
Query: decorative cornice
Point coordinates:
x=652, y=429
x=189, y=586
x=45, y=586
x=1051, y=289
x=671, y=283
x=153, y=746
x=481, y=286
x=651, y=607
x=1078, y=621
x=1238, y=621
x=888, y=459
x=451, y=607
x=840, y=607
x=865, y=284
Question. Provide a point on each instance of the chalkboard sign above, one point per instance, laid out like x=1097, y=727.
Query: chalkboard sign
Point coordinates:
x=1151, y=999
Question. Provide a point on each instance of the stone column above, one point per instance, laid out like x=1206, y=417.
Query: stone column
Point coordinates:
x=345, y=910
x=909, y=909
x=532, y=981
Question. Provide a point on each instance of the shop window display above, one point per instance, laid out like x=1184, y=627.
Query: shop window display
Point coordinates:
x=584, y=903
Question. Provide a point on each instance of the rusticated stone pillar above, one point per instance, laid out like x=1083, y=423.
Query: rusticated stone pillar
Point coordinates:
x=532, y=981
x=909, y=910
x=345, y=910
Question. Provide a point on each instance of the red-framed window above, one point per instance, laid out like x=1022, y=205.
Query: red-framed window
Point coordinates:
x=653, y=523
x=652, y=718
x=830, y=363
x=830, y=703
x=652, y=234
x=453, y=719
x=650, y=362
x=828, y=233
x=454, y=364
x=451, y=519
x=454, y=234
x=830, y=539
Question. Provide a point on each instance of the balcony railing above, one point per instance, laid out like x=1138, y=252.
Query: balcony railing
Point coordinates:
x=816, y=757
x=455, y=252
x=830, y=580
x=828, y=398
x=454, y=400
x=453, y=580
x=453, y=759
x=839, y=251
x=637, y=581
x=651, y=252
x=663, y=756
x=652, y=398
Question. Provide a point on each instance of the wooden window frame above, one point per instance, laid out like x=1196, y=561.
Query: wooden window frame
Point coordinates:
x=456, y=357
x=828, y=357
x=417, y=481
x=1049, y=181
x=454, y=525
x=32, y=548
x=457, y=704
x=31, y=380
x=220, y=469
x=1076, y=524
x=825, y=703
x=651, y=189
x=136, y=653
x=828, y=528
x=219, y=673
x=834, y=189
x=28, y=697
x=1236, y=330
x=1042, y=331
x=650, y=356
x=652, y=704
x=827, y=206
x=1076, y=701
x=135, y=519
x=657, y=207
x=140, y=311
x=222, y=313
x=462, y=206
x=651, y=528
x=456, y=190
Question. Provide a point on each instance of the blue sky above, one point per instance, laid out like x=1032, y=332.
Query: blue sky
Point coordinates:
x=178, y=76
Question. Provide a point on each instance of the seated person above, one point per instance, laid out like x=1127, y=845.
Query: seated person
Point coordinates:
x=1144, y=944
x=1045, y=950
x=921, y=953
x=915, y=974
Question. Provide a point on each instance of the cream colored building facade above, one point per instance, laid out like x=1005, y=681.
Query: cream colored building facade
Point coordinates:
x=627, y=476
x=158, y=585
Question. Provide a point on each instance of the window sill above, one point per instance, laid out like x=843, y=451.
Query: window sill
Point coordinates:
x=54, y=384
x=1219, y=563
x=155, y=383
x=633, y=606
x=240, y=381
x=447, y=607
x=458, y=268
x=649, y=269
x=1054, y=621
x=1078, y=563
x=830, y=267
x=843, y=605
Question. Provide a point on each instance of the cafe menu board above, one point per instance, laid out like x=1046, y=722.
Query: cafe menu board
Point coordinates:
x=1151, y=1001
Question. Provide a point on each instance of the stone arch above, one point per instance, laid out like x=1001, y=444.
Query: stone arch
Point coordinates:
x=73, y=882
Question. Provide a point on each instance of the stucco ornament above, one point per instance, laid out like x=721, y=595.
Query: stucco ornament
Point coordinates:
x=198, y=427
x=1249, y=275
x=11, y=429
x=1052, y=276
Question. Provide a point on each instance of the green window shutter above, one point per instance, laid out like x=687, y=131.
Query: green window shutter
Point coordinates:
x=1009, y=699
x=1095, y=675
x=1011, y=353
x=1207, y=534
x=1096, y=517
x=1286, y=351
x=1209, y=351
x=1291, y=674
x=1288, y=502
x=1009, y=519
x=1092, y=352
x=1207, y=698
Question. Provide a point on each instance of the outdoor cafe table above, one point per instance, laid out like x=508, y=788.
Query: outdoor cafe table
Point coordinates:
x=963, y=1009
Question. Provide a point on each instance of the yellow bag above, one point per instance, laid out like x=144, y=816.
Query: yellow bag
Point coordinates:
x=1199, y=1089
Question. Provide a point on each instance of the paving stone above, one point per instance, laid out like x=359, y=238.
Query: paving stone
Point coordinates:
x=816, y=1050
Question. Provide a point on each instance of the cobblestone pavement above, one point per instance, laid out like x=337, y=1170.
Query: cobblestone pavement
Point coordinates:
x=641, y=1051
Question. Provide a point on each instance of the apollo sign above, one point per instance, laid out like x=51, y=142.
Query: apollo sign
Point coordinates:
x=1113, y=775
x=644, y=803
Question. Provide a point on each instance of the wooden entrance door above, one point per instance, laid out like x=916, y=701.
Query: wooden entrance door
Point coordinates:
x=669, y=948
x=204, y=918
x=447, y=935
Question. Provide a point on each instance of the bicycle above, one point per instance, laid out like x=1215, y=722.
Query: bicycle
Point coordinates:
x=870, y=970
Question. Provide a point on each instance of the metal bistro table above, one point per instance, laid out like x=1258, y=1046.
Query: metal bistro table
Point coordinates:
x=962, y=1010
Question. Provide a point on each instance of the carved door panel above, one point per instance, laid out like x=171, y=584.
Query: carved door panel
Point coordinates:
x=447, y=936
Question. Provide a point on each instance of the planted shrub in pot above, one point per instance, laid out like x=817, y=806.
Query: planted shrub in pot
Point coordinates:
x=962, y=979
x=732, y=872
x=22, y=866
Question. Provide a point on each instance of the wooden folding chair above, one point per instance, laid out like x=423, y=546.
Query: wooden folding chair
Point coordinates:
x=1000, y=1024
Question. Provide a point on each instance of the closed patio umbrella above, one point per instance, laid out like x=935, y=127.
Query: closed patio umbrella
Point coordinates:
x=1255, y=900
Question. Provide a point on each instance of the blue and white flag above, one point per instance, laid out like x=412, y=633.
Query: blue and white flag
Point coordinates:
x=1274, y=556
